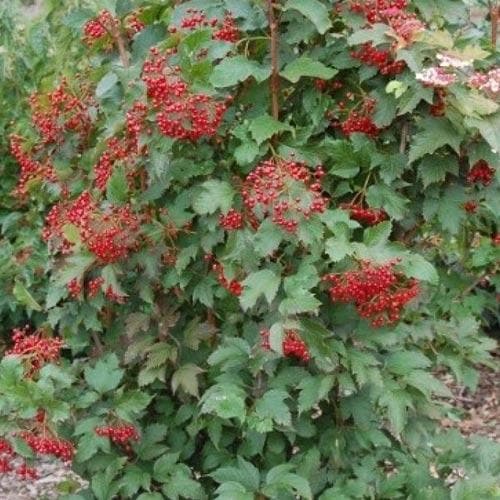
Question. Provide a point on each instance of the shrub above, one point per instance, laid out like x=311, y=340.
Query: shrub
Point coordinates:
x=267, y=225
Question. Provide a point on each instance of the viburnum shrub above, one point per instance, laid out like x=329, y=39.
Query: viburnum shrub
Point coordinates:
x=267, y=226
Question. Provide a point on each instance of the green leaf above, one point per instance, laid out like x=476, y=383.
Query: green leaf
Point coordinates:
x=434, y=134
x=245, y=474
x=378, y=234
x=187, y=378
x=233, y=70
x=233, y=491
x=164, y=466
x=117, y=187
x=105, y=375
x=382, y=196
x=24, y=297
x=489, y=128
x=264, y=127
x=263, y=282
x=314, y=10
x=415, y=266
x=272, y=406
x=246, y=153
x=376, y=34
x=130, y=403
x=105, y=85
x=427, y=384
x=225, y=400
x=213, y=196
x=301, y=302
x=338, y=247
x=305, y=66
x=267, y=238
x=397, y=403
x=312, y=390
x=404, y=362
x=434, y=168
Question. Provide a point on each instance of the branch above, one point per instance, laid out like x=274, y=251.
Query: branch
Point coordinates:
x=494, y=11
x=275, y=77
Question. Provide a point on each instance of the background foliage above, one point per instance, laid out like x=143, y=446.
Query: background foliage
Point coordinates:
x=165, y=346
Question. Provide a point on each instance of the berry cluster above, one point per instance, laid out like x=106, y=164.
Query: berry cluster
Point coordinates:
x=133, y=24
x=31, y=170
x=110, y=234
x=100, y=29
x=44, y=445
x=366, y=216
x=285, y=190
x=471, y=206
x=181, y=114
x=231, y=221
x=233, y=286
x=226, y=31
x=125, y=150
x=324, y=85
x=74, y=288
x=94, y=286
x=26, y=472
x=496, y=239
x=381, y=59
x=293, y=346
x=392, y=12
x=379, y=292
x=122, y=435
x=361, y=121
x=481, y=172
x=35, y=349
x=60, y=111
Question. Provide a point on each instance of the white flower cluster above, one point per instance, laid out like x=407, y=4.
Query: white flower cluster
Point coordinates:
x=447, y=61
x=436, y=77
x=487, y=82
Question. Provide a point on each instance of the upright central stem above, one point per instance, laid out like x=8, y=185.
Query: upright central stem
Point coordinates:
x=275, y=77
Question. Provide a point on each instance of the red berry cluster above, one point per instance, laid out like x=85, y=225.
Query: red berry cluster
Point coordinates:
x=181, y=114
x=393, y=13
x=195, y=19
x=471, y=206
x=381, y=59
x=44, y=445
x=481, y=173
x=366, y=216
x=324, y=85
x=100, y=28
x=31, y=170
x=379, y=292
x=114, y=296
x=231, y=221
x=122, y=435
x=361, y=121
x=74, y=288
x=35, y=349
x=133, y=24
x=233, y=286
x=293, y=346
x=110, y=234
x=94, y=286
x=26, y=472
x=228, y=32
x=60, y=111
x=438, y=107
x=496, y=239
x=285, y=190
x=124, y=150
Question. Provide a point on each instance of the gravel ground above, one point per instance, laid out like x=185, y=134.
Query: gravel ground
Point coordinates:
x=54, y=479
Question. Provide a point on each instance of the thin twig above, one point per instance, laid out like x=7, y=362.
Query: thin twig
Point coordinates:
x=275, y=78
x=98, y=344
